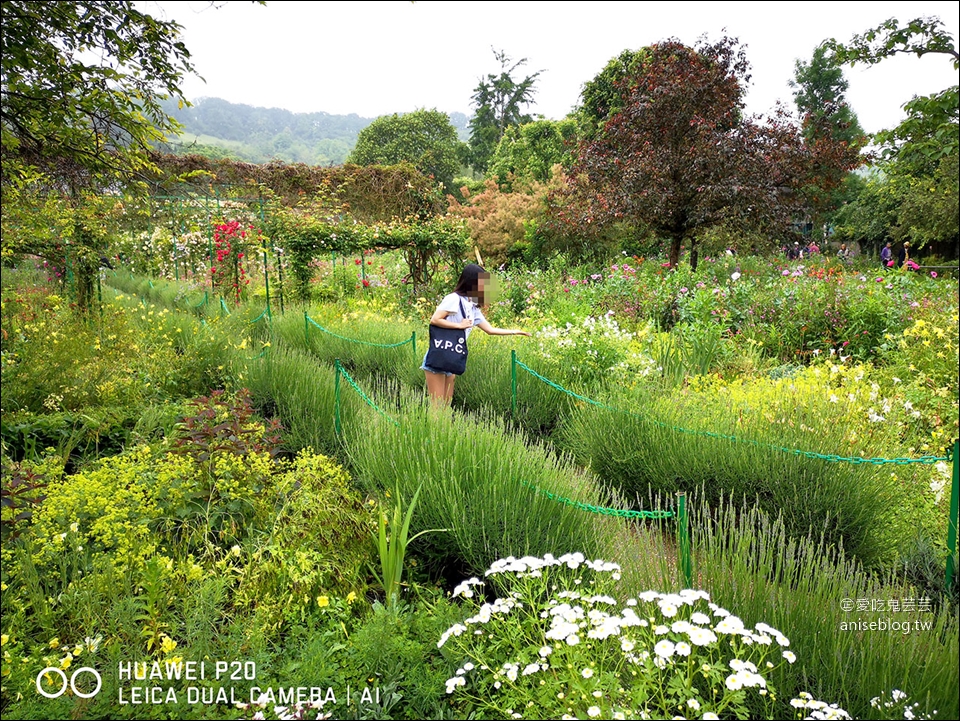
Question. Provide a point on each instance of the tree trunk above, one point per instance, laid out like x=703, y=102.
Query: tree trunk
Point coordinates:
x=675, y=243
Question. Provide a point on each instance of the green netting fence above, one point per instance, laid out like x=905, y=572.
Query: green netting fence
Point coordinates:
x=951, y=456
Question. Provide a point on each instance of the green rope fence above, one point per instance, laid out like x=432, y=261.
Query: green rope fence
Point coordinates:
x=856, y=460
x=341, y=371
x=308, y=321
x=600, y=510
x=952, y=455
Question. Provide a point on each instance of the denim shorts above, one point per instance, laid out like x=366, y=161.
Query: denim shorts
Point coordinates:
x=428, y=369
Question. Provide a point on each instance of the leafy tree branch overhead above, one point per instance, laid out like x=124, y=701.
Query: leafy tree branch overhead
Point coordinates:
x=82, y=82
x=930, y=131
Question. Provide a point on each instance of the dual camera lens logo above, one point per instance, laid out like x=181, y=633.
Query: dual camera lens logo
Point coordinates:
x=71, y=683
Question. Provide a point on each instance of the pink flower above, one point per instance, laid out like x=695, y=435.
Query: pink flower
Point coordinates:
x=933, y=274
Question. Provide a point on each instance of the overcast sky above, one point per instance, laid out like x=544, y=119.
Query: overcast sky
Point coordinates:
x=378, y=58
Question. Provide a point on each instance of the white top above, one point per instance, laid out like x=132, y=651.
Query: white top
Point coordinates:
x=452, y=302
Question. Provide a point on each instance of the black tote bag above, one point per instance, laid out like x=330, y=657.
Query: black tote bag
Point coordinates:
x=448, y=348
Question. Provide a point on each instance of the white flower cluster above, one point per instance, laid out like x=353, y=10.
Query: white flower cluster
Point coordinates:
x=653, y=631
x=746, y=676
x=939, y=482
x=898, y=697
x=464, y=589
x=532, y=566
x=818, y=709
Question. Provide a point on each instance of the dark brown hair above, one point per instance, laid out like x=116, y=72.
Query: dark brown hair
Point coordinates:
x=469, y=284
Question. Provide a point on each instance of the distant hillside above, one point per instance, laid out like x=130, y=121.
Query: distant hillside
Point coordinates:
x=218, y=128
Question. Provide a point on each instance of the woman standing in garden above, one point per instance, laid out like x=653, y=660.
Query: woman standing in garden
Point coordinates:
x=458, y=311
x=904, y=255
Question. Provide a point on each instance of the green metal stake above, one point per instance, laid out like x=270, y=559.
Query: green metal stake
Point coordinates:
x=176, y=236
x=954, y=512
x=279, y=277
x=266, y=281
x=413, y=340
x=209, y=241
x=683, y=539
x=336, y=397
x=306, y=330
x=513, y=385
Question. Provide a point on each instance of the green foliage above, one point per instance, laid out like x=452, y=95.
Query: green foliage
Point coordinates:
x=606, y=94
x=893, y=205
x=316, y=543
x=94, y=110
x=308, y=236
x=750, y=563
x=819, y=90
x=930, y=131
x=927, y=215
x=831, y=131
x=281, y=578
x=424, y=138
x=474, y=485
x=528, y=152
x=499, y=102
x=392, y=538
x=661, y=441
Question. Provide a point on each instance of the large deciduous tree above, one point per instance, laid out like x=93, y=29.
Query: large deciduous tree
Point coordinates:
x=499, y=102
x=424, y=138
x=528, y=152
x=677, y=156
x=831, y=131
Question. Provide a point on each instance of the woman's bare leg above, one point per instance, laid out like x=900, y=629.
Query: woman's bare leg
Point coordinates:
x=437, y=388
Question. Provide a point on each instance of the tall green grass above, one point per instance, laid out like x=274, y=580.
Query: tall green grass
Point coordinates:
x=480, y=481
x=291, y=385
x=753, y=566
x=487, y=384
x=650, y=448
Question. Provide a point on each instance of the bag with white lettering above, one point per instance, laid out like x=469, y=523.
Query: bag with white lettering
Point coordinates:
x=448, y=348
